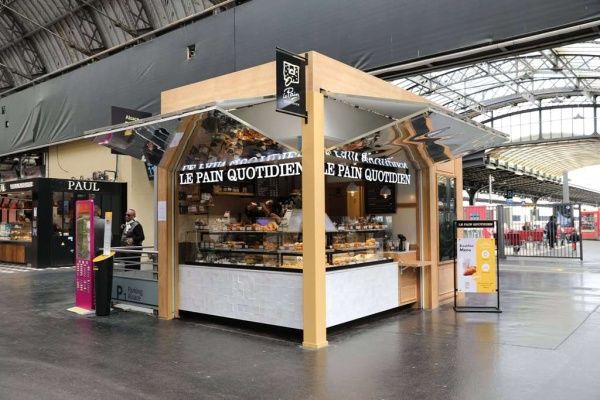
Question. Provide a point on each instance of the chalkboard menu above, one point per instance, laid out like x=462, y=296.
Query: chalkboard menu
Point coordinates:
x=267, y=188
x=375, y=202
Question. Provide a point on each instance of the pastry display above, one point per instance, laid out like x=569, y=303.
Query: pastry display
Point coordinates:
x=269, y=227
x=369, y=244
x=239, y=238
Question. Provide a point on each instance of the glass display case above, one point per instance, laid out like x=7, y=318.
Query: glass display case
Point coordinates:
x=272, y=245
x=16, y=216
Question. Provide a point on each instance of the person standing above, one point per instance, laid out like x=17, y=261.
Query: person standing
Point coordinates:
x=132, y=235
x=551, y=231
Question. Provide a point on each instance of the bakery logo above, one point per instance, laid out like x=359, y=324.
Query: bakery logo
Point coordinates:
x=290, y=95
x=290, y=83
x=291, y=73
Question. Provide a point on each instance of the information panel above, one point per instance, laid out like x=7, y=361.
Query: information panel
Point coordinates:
x=476, y=265
x=84, y=254
x=476, y=270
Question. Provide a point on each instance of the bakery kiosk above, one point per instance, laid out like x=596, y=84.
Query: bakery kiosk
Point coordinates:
x=302, y=223
x=37, y=217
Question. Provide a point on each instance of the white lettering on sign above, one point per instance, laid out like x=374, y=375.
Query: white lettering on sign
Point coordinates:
x=375, y=175
x=349, y=171
x=21, y=185
x=342, y=170
x=292, y=169
x=366, y=159
x=83, y=186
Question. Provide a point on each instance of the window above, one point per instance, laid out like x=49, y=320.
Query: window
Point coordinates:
x=446, y=216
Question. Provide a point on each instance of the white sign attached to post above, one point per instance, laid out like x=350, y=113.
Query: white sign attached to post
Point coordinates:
x=107, y=233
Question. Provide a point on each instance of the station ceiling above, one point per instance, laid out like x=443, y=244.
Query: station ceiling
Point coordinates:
x=478, y=89
x=38, y=37
x=547, y=158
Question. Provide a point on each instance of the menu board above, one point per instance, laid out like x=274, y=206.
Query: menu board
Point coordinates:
x=476, y=265
x=267, y=188
x=378, y=203
x=84, y=234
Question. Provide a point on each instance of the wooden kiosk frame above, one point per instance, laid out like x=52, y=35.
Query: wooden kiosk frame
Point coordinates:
x=325, y=78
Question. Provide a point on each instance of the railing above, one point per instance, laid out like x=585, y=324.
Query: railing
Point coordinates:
x=135, y=276
x=522, y=229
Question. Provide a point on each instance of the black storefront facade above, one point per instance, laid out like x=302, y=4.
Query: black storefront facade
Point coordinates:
x=37, y=218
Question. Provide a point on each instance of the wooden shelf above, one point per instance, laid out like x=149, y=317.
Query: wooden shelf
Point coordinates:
x=240, y=194
x=236, y=232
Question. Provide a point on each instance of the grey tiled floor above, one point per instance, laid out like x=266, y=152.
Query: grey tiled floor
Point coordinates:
x=545, y=345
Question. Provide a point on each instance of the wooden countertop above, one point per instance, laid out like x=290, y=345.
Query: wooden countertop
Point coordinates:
x=415, y=264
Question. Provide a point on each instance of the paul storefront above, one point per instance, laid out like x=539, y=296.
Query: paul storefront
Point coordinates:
x=264, y=217
x=37, y=219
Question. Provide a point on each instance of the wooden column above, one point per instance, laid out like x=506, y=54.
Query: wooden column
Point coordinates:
x=428, y=201
x=166, y=250
x=313, y=222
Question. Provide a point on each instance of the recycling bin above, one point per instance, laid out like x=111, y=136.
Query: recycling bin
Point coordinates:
x=103, y=275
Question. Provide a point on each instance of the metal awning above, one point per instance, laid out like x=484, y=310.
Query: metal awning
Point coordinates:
x=547, y=158
x=476, y=178
x=424, y=122
x=399, y=124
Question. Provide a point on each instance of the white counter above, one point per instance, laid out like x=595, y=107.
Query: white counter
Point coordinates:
x=275, y=297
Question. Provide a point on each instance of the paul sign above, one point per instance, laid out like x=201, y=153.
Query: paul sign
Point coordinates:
x=83, y=186
x=291, y=83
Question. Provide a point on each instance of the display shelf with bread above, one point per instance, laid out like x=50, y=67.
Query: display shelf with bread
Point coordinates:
x=273, y=245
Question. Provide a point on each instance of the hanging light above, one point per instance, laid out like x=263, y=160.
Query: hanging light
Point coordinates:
x=578, y=116
x=385, y=192
x=352, y=189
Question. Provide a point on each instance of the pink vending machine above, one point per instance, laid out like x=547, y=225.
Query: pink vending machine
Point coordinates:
x=84, y=254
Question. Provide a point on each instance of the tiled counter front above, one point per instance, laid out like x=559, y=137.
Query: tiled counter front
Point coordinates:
x=358, y=292
x=275, y=298
x=268, y=297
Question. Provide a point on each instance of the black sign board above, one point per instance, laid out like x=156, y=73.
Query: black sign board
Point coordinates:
x=291, y=83
x=127, y=142
x=475, y=224
x=380, y=198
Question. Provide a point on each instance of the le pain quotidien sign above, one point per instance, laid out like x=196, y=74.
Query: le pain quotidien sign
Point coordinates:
x=239, y=170
x=291, y=83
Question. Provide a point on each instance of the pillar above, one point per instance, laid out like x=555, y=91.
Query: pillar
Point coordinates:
x=565, y=187
x=166, y=246
x=472, y=192
x=313, y=222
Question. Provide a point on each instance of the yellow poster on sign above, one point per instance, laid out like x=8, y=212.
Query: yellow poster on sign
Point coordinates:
x=485, y=277
x=476, y=265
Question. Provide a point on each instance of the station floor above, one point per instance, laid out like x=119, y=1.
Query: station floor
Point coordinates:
x=545, y=345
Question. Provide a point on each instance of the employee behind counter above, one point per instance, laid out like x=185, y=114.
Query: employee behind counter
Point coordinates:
x=256, y=210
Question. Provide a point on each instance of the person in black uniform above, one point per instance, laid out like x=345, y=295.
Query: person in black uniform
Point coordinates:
x=132, y=235
x=551, y=229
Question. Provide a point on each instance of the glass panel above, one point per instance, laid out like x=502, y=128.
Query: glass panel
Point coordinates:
x=62, y=213
x=446, y=216
x=239, y=196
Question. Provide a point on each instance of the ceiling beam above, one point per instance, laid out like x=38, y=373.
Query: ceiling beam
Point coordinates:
x=45, y=26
